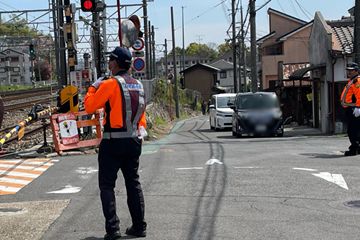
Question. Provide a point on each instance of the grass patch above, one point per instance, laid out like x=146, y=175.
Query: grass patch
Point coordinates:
x=159, y=121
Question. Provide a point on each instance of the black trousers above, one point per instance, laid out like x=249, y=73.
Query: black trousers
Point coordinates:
x=353, y=129
x=115, y=154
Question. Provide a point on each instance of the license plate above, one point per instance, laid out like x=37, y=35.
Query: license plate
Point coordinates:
x=260, y=128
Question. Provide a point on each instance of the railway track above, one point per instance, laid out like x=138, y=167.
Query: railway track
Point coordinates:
x=17, y=106
x=6, y=94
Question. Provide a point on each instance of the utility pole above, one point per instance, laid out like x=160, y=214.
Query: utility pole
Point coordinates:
x=146, y=35
x=254, y=84
x=234, y=43
x=183, y=37
x=174, y=59
x=63, y=67
x=166, y=61
x=357, y=32
x=56, y=40
x=150, y=52
x=242, y=64
x=153, y=50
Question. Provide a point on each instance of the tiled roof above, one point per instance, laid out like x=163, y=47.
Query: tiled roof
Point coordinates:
x=344, y=33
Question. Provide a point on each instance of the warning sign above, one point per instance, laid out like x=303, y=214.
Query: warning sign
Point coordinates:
x=75, y=79
x=68, y=128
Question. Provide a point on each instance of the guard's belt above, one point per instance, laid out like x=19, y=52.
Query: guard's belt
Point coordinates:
x=112, y=135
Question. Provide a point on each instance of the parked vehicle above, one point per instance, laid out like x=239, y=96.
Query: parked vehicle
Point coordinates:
x=258, y=114
x=220, y=113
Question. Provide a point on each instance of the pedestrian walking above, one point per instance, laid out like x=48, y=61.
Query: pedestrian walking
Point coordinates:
x=350, y=100
x=203, y=107
x=123, y=100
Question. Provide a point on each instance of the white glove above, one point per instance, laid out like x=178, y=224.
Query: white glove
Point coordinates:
x=356, y=112
x=96, y=84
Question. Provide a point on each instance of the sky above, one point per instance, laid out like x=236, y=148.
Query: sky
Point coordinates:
x=206, y=21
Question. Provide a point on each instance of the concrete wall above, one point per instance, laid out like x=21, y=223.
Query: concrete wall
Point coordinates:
x=320, y=44
x=339, y=70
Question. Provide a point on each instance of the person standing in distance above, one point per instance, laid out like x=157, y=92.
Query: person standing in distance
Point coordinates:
x=170, y=76
x=123, y=100
x=350, y=100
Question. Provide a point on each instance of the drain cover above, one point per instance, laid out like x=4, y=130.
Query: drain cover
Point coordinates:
x=355, y=203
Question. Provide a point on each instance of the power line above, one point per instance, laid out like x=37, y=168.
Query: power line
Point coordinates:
x=202, y=14
x=301, y=8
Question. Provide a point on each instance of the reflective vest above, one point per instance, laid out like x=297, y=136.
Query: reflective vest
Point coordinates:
x=123, y=98
x=350, y=97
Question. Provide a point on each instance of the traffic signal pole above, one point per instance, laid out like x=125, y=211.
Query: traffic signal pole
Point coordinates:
x=146, y=36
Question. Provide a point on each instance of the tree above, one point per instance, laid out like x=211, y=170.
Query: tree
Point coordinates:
x=202, y=50
x=178, y=52
x=45, y=70
x=224, y=48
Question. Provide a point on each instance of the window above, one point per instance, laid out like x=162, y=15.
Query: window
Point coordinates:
x=16, y=69
x=193, y=62
x=169, y=63
x=14, y=59
x=2, y=70
x=14, y=80
x=186, y=62
x=276, y=49
x=2, y=59
x=223, y=74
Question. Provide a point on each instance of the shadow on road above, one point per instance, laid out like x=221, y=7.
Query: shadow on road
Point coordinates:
x=322, y=155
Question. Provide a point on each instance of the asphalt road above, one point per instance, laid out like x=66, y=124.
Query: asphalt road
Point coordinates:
x=202, y=184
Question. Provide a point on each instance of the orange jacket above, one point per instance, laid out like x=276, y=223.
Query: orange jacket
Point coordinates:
x=352, y=96
x=109, y=90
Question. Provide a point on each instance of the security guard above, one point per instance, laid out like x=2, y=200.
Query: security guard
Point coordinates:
x=350, y=100
x=123, y=99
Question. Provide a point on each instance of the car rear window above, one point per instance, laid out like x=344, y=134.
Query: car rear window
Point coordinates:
x=222, y=102
x=258, y=102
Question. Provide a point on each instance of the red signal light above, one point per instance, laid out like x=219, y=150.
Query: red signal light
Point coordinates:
x=87, y=5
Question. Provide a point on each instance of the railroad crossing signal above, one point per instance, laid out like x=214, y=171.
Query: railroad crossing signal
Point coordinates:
x=69, y=99
x=88, y=5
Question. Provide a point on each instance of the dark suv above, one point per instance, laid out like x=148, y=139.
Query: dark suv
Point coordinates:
x=258, y=114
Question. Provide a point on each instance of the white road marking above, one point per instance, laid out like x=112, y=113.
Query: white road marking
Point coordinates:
x=67, y=189
x=334, y=178
x=86, y=172
x=26, y=162
x=190, y=168
x=19, y=174
x=9, y=189
x=211, y=161
x=23, y=167
x=247, y=167
x=18, y=181
x=338, y=152
x=306, y=169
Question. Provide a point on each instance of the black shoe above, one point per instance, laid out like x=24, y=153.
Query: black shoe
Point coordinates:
x=112, y=236
x=350, y=153
x=133, y=232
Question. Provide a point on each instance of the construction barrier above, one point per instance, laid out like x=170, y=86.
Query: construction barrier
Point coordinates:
x=59, y=143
